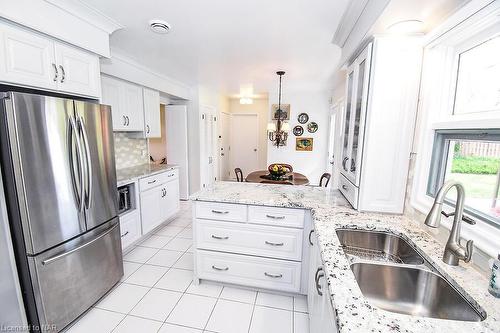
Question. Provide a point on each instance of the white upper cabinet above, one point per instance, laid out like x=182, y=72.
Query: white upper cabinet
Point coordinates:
x=152, y=125
x=32, y=60
x=78, y=71
x=381, y=102
x=126, y=103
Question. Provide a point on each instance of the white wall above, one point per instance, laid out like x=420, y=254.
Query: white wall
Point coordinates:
x=316, y=105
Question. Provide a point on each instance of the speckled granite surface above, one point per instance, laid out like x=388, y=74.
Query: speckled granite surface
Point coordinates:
x=354, y=312
x=131, y=174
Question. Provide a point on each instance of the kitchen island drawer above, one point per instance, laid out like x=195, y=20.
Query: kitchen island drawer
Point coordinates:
x=349, y=190
x=249, y=271
x=221, y=211
x=287, y=217
x=259, y=240
x=130, y=228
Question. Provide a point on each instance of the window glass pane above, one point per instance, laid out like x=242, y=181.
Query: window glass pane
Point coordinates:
x=478, y=81
x=476, y=164
x=347, y=121
x=357, y=115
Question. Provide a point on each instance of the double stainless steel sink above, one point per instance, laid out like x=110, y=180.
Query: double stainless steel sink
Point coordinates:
x=393, y=276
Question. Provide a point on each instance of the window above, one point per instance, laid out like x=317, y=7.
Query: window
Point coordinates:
x=478, y=78
x=471, y=157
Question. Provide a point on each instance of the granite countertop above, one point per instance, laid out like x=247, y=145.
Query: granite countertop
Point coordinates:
x=354, y=313
x=131, y=174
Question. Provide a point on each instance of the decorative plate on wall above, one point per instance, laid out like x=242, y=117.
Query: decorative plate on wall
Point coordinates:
x=303, y=118
x=298, y=130
x=312, y=127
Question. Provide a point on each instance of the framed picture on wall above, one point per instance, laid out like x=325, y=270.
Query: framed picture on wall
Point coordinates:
x=285, y=112
x=304, y=144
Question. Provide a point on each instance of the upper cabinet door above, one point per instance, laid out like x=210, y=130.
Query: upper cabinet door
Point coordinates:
x=111, y=96
x=78, y=71
x=131, y=97
x=27, y=59
x=360, y=102
x=346, y=134
x=152, y=119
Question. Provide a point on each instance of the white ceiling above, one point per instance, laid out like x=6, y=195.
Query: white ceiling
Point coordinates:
x=227, y=43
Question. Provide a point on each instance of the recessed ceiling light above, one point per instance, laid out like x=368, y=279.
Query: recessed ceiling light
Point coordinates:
x=406, y=27
x=159, y=26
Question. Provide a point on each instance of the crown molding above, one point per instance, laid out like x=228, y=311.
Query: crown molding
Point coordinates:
x=88, y=14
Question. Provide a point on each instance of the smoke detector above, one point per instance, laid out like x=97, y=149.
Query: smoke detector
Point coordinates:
x=159, y=26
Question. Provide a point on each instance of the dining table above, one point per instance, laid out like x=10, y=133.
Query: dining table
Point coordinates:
x=260, y=176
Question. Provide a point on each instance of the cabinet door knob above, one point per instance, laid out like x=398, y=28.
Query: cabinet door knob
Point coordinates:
x=56, y=72
x=63, y=73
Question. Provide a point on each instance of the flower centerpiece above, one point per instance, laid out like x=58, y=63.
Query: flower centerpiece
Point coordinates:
x=278, y=171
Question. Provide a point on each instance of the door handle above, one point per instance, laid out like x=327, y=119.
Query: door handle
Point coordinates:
x=274, y=244
x=74, y=131
x=56, y=72
x=63, y=73
x=220, y=269
x=128, y=120
x=88, y=160
x=274, y=276
x=147, y=129
x=220, y=212
x=317, y=276
x=344, y=162
x=345, y=187
x=124, y=120
x=275, y=217
x=219, y=237
x=310, y=234
x=353, y=165
x=62, y=255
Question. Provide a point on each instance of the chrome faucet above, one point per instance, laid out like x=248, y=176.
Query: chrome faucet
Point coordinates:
x=453, y=251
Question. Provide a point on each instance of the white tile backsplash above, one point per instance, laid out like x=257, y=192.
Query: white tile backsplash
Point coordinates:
x=129, y=151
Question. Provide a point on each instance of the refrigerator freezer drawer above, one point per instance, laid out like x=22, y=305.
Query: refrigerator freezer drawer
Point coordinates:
x=73, y=276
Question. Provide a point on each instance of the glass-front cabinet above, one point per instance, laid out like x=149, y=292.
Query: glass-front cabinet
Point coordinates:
x=358, y=76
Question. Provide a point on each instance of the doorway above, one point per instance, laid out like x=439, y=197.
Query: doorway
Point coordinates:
x=244, y=140
x=224, y=144
x=334, y=142
x=208, y=131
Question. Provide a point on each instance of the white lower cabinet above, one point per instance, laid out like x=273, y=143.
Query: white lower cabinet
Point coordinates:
x=249, y=245
x=321, y=313
x=130, y=228
x=159, y=199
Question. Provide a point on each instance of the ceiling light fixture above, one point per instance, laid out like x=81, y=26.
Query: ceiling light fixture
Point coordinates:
x=246, y=100
x=159, y=26
x=406, y=27
x=278, y=133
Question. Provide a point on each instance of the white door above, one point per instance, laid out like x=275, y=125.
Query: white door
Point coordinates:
x=208, y=129
x=27, y=59
x=224, y=141
x=151, y=208
x=335, y=143
x=79, y=71
x=177, y=144
x=244, y=142
x=151, y=113
x=111, y=96
x=132, y=103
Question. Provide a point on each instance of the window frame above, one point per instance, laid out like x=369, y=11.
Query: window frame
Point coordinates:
x=439, y=161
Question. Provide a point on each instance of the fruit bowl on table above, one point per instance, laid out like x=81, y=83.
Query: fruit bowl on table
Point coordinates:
x=278, y=171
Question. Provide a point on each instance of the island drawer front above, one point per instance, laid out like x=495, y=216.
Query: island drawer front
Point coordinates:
x=349, y=191
x=147, y=183
x=249, y=271
x=130, y=228
x=287, y=217
x=221, y=211
x=259, y=240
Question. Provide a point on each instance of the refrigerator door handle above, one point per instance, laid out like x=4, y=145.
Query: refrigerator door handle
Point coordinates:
x=73, y=131
x=88, y=197
x=62, y=255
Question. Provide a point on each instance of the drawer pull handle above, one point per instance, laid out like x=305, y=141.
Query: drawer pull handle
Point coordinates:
x=220, y=269
x=171, y=175
x=220, y=212
x=275, y=217
x=310, y=234
x=274, y=244
x=219, y=237
x=345, y=187
x=274, y=276
x=152, y=182
x=125, y=234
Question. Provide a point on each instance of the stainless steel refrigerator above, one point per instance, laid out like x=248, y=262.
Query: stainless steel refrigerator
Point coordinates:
x=59, y=173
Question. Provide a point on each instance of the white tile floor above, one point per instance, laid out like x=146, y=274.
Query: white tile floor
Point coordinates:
x=156, y=294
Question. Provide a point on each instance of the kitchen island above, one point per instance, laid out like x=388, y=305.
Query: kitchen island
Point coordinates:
x=352, y=311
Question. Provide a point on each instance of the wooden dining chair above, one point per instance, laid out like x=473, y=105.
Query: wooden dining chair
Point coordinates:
x=324, y=176
x=239, y=174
